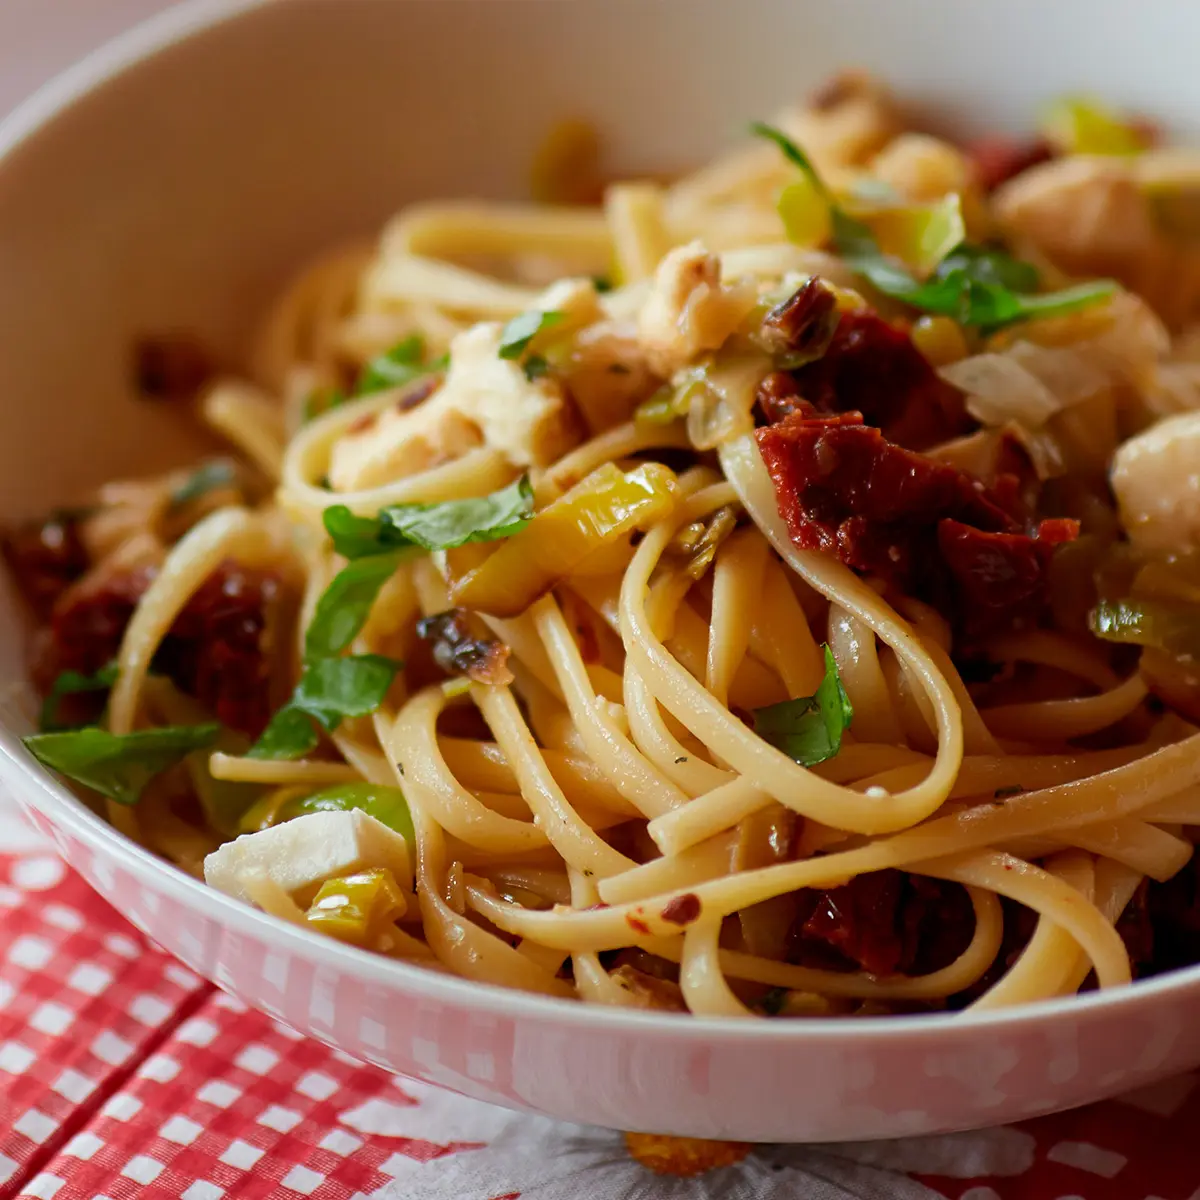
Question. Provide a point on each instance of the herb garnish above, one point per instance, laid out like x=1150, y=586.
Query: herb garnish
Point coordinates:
x=977, y=286
x=809, y=730
x=516, y=336
x=396, y=367
x=329, y=690
x=333, y=687
x=218, y=473
x=119, y=766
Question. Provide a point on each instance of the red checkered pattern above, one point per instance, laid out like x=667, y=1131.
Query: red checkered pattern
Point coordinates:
x=124, y=1076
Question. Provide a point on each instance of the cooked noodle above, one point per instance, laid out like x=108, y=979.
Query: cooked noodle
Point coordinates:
x=599, y=810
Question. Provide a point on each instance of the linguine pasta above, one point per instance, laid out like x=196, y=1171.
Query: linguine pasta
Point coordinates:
x=767, y=592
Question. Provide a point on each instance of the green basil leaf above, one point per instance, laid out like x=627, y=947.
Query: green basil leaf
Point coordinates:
x=520, y=331
x=346, y=603
x=290, y=734
x=354, y=536
x=219, y=473
x=432, y=526
x=394, y=368
x=73, y=683
x=602, y=283
x=119, y=766
x=978, y=286
x=809, y=730
x=457, y=522
x=991, y=264
x=329, y=690
x=386, y=804
x=535, y=366
x=791, y=152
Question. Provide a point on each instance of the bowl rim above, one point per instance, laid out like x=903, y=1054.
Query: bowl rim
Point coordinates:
x=32, y=785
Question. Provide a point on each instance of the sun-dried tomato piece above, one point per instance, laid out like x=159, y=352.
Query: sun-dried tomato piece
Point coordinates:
x=873, y=368
x=999, y=578
x=998, y=158
x=884, y=922
x=45, y=558
x=219, y=647
x=88, y=623
x=923, y=525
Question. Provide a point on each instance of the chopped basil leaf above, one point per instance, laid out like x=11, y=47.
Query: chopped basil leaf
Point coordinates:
x=790, y=151
x=602, y=284
x=520, y=331
x=976, y=285
x=72, y=683
x=220, y=473
x=403, y=363
x=386, y=804
x=291, y=734
x=432, y=526
x=346, y=603
x=330, y=689
x=809, y=730
x=535, y=366
x=119, y=766
x=376, y=546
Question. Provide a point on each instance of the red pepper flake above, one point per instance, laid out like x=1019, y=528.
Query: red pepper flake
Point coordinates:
x=637, y=925
x=682, y=910
x=363, y=423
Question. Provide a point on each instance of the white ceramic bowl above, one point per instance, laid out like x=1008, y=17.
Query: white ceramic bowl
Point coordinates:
x=173, y=177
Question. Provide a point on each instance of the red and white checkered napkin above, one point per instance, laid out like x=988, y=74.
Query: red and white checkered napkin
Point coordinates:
x=123, y=1075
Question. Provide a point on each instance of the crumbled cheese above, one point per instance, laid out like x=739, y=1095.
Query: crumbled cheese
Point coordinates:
x=689, y=310
x=485, y=400
x=303, y=852
x=1156, y=479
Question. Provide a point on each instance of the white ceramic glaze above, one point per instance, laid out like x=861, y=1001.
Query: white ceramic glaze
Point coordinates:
x=175, y=176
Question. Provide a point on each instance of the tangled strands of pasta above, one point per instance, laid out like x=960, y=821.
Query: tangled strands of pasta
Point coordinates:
x=612, y=796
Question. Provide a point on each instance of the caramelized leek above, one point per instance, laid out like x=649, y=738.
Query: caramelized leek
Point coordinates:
x=805, y=214
x=594, y=514
x=1081, y=125
x=1161, y=624
x=357, y=908
x=919, y=235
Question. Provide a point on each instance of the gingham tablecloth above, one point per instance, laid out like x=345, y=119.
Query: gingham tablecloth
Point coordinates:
x=124, y=1075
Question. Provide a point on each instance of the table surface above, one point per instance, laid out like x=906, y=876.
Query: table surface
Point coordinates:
x=124, y=1075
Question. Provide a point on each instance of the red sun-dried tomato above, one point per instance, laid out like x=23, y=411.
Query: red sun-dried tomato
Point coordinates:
x=885, y=922
x=873, y=368
x=925, y=526
x=997, y=158
x=45, y=558
x=218, y=647
x=88, y=623
x=217, y=650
